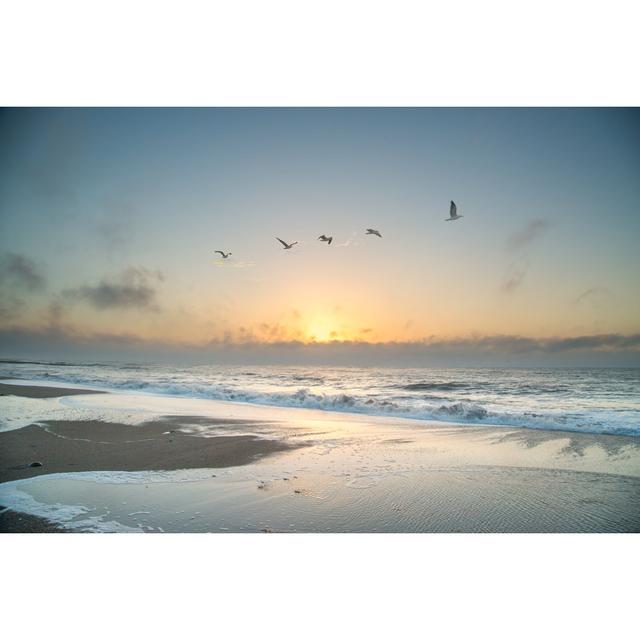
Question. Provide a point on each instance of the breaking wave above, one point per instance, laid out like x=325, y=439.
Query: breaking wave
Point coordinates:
x=598, y=401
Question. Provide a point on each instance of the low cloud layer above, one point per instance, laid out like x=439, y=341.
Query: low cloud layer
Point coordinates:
x=496, y=350
x=134, y=288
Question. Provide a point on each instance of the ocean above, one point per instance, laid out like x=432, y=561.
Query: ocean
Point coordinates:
x=584, y=400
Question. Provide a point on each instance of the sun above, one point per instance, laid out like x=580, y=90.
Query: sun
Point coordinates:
x=322, y=330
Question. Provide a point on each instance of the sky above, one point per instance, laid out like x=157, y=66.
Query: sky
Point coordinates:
x=109, y=219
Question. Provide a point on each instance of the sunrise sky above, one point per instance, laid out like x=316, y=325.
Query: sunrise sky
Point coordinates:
x=109, y=219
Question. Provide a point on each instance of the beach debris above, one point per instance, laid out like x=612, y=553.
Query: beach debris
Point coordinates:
x=36, y=464
x=267, y=530
x=297, y=491
x=262, y=485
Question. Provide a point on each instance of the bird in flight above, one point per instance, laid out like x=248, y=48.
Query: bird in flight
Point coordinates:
x=453, y=212
x=285, y=245
x=325, y=238
x=223, y=254
x=373, y=232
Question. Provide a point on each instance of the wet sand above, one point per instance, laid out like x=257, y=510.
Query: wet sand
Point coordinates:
x=99, y=446
x=32, y=391
x=337, y=472
x=14, y=522
x=63, y=446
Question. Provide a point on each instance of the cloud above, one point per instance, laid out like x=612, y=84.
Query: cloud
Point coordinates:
x=524, y=344
x=519, y=243
x=132, y=289
x=10, y=305
x=349, y=242
x=593, y=294
x=18, y=271
x=590, y=350
x=514, y=276
x=19, y=277
x=525, y=237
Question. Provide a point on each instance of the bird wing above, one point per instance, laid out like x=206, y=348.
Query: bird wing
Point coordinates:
x=453, y=210
x=220, y=252
x=330, y=239
x=282, y=242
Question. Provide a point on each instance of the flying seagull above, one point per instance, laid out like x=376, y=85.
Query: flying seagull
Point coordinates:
x=223, y=254
x=325, y=238
x=373, y=232
x=453, y=212
x=284, y=244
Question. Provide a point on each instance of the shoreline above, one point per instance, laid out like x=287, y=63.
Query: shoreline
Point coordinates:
x=58, y=446
x=274, y=461
x=42, y=388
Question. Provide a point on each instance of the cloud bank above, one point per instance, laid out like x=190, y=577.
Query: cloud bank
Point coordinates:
x=134, y=288
x=611, y=349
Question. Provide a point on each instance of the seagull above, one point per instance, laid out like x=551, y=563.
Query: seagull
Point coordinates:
x=373, y=232
x=453, y=212
x=223, y=254
x=285, y=245
x=325, y=238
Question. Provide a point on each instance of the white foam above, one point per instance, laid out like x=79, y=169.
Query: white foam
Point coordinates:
x=12, y=497
x=17, y=412
x=133, y=477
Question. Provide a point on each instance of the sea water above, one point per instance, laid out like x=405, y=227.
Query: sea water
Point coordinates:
x=586, y=400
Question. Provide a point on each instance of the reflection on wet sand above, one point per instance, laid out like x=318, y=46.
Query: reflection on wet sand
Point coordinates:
x=211, y=466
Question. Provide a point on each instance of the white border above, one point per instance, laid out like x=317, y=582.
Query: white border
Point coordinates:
x=319, y=53
x=320, y=586
x=285, y=52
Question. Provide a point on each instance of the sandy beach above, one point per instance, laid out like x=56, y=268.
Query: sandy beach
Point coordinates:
x=174, y=464
x=99, y=446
